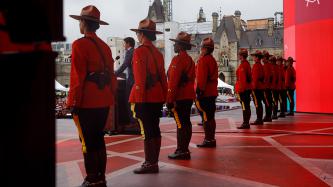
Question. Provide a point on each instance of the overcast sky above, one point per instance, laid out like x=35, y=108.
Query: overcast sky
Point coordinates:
x=125, y=14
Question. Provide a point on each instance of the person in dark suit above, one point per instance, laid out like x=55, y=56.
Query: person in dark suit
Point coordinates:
x=129, y=44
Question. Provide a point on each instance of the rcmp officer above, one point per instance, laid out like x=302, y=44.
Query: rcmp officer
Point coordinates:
x=290, y=83
x=258, y=86
x=268, y=85
x=282, y=87
x=275, y=86
x=206, y=90
x=148, y=93
x=181, y=77
x=92, y=84
x=243, y=87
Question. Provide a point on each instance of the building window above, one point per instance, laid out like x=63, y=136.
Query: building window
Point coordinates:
x=225, y=61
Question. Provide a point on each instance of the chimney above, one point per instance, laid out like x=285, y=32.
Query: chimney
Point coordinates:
x=238, y=24
x=215, y=20
x=270, y=26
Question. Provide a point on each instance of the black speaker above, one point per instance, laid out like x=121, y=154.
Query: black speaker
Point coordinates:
x=33, y=20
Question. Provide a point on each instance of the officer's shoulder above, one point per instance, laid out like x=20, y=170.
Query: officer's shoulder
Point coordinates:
x=140, y=49
x=80, y=41
x=175, y=58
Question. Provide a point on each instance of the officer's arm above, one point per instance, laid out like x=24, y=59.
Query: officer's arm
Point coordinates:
x=255, y=76
x=163, y=78
x=139, y=72
x=114, y=84
x=287, y=78
x=242, y=79
x=202, y=75
x=77, y=76
x=174, y=74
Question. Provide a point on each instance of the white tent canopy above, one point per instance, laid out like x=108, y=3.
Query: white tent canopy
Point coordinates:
x=60, y=87
x=221, y=84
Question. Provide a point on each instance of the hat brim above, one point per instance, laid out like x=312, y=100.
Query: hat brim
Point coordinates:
x=89, y=18
x=207, y=46
x=153, y=31
x=253, y=54
x=183, y=42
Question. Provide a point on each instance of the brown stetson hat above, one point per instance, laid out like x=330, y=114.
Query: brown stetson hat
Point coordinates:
x=147, y=25
x=183, y=38
x=207, y=42
x=266, y=54
x=91, y=13
x=243, y=51
x=272, y=59
x=280, y=58
x=257, y=54
x=290, y=59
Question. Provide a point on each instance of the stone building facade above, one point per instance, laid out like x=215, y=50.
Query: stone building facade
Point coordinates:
x=229, y=32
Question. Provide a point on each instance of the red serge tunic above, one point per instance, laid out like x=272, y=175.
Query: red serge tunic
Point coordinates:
x=86, y=58
x=147, y=58
x=290, y=78
x=243, y=74
x=207, y=75
x=257, y=76
x=182, y=63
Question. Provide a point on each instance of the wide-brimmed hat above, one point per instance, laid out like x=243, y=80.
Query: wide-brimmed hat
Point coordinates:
x=207, y=42
x=272, y=59
x=147, y=25
x=266, y=54
x=183, y=38
x=290, y=59
x=243, y=51
x=91, y=13
x=257, y=54
x=280, y=58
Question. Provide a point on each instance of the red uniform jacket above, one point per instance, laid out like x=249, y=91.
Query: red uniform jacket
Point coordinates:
x=182, y=63
x=258, y=76
x=290, y=78
x=276, y=74
x=282, y=73
x=268, y=71
x=145, y=59
x=85, y=59
x=207, y=75
x=243, y=74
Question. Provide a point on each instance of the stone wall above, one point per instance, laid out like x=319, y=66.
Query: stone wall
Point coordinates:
x=63, y=73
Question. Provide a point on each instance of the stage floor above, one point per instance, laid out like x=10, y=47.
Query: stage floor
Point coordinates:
x=292, y=151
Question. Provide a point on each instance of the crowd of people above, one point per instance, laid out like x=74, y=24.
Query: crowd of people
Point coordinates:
x=93, y=88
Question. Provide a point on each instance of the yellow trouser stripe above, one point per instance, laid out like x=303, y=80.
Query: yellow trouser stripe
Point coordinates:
x=265, y=95
x=243, y=106
x=201, y=110
x=139, y=120
x=255, y=99
x=175, y=114
x=78, y=126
